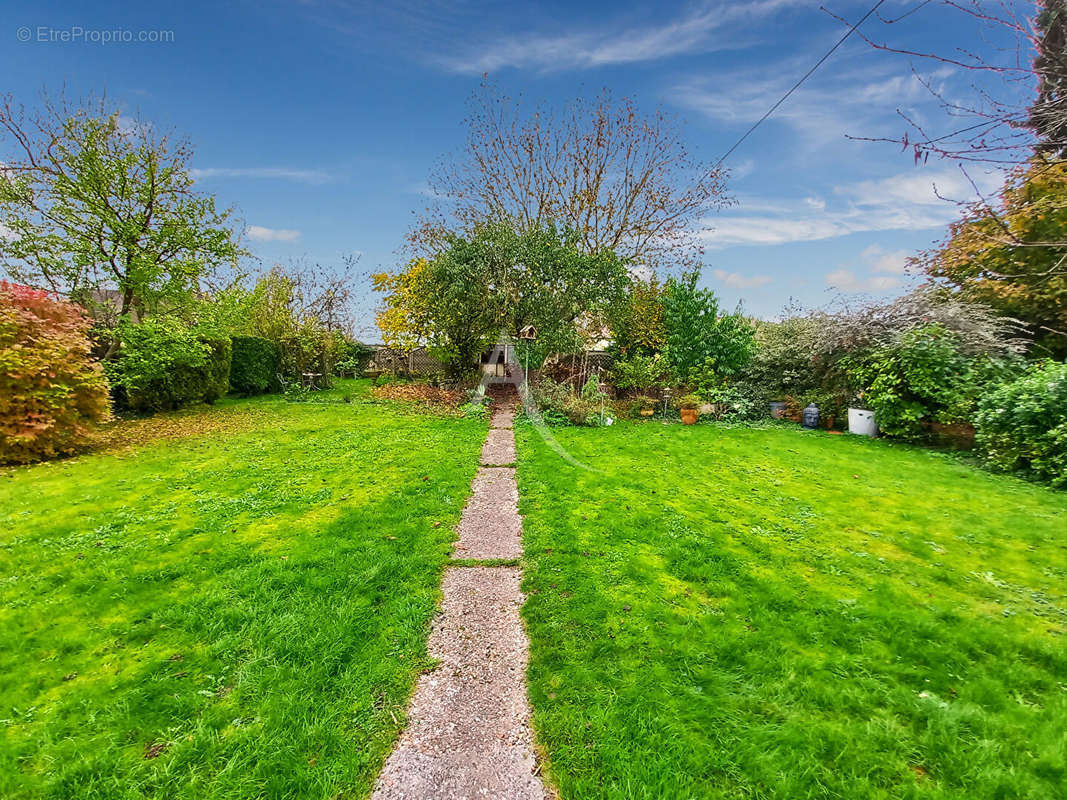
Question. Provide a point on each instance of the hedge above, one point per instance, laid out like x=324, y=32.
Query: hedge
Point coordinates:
x=162, y=365
x=254, y=368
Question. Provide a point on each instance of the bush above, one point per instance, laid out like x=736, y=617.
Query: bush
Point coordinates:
x=923, y=376
x=688, y=402
x=1022, y=425
x=735, y=402
x=51, y=390
x=640, y=373
x=698, y=336
x=312, y=351
x=559, y=404
x=163, y=365
x=217, y=373
x=254, y=367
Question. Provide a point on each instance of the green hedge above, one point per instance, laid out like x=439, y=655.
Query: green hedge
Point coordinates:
x=217, y=369
x=163, y=365
x=188, y=383
x=255, y=365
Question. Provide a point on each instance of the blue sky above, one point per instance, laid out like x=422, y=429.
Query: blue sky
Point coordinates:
x=320, y=119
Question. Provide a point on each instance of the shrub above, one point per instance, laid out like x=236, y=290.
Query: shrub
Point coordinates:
x=698, y=335
x=311, y=351
x=688, y=401
x=354, y=358
x=640, y=373
x=51, y=390
x=735, y=402
x=254, y=367
x=163, y=365
x=559, y=404
x=1022, y=425
x=922, y=376
x=217, y=372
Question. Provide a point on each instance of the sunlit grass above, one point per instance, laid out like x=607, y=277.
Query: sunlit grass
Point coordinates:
x=733, y=613
x=225, y=615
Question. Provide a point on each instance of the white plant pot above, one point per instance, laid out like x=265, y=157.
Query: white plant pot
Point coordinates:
x=862, y=422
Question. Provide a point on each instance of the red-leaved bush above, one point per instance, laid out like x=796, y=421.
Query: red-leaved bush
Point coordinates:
x=51, y=390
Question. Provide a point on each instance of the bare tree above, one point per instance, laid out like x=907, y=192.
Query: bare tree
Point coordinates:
x=624, y=180
x=1009, y=248
x=1017, y=67
x=324, y=293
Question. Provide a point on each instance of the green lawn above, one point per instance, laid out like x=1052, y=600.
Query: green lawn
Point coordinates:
x=237, y=614
x=769, y=613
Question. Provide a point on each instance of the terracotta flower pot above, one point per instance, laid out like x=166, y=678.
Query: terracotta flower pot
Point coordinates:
x=689, y=415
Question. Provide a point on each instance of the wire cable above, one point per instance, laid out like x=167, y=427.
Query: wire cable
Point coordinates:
x=796, y=85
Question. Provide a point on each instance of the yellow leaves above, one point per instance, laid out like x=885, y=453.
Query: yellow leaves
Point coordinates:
x=399, y=318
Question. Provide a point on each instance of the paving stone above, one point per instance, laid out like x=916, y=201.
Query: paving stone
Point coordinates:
x=469, y=734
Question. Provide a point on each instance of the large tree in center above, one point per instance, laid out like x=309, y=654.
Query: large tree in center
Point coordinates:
x=622, y=180
x=497, y=281
x=90, y=200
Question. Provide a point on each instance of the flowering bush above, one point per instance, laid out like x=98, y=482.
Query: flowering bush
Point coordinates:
x=1022, y=425
x=51, y=390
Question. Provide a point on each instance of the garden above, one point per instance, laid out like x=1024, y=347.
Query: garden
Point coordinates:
x=816, y=555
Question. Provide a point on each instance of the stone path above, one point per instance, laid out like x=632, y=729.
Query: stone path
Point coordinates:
x=469, y=730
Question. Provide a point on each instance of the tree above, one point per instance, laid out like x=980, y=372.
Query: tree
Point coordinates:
x=622, y=180
x=698, y=336
x=1048, y=113
x=637, y=320
x=495, y=282
x=1011, y=255
x=997, y=124
x=404, y=317
x=91, y=201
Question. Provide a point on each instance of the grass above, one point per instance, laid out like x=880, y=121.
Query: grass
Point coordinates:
x=722, y=612
x=234, y=611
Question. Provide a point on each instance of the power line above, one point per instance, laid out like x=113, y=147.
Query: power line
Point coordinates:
x=796, y=85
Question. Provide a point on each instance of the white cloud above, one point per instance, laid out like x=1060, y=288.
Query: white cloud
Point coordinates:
x=894, y=262
x=277, y=173
x=907, y=201
x=735, y=280
x=845, y=280
x=743, y=169
x=702, y=30
x=258, y=233
x=854, y=98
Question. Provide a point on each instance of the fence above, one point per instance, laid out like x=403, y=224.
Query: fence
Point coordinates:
x=417, y=362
